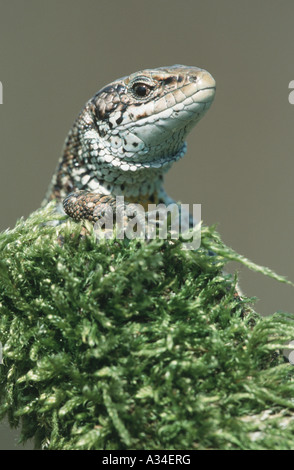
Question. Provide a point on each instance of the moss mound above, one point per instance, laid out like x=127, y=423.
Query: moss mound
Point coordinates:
x=131, y=345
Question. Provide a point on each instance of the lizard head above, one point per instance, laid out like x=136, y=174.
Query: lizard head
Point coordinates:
x=143, y=119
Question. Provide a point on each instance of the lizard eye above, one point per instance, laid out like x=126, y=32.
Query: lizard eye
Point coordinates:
x=141, y=90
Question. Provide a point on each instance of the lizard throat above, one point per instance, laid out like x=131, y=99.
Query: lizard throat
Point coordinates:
x=117, y=176
x=113, y=163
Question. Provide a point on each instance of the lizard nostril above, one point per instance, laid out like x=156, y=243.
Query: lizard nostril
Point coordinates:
x=193, y=78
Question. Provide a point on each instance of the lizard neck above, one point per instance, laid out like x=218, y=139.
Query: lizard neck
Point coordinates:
x=115, y=166
x=89, y=164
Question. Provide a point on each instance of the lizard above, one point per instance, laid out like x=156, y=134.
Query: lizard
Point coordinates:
x=127, y=137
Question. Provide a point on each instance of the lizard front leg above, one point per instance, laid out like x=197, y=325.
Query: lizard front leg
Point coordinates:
x=108, y=209
x=88, y=205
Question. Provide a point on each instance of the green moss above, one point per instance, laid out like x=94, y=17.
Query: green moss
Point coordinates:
x=132, y=345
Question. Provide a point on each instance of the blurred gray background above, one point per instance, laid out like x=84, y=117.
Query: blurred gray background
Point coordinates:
x=240, y=161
